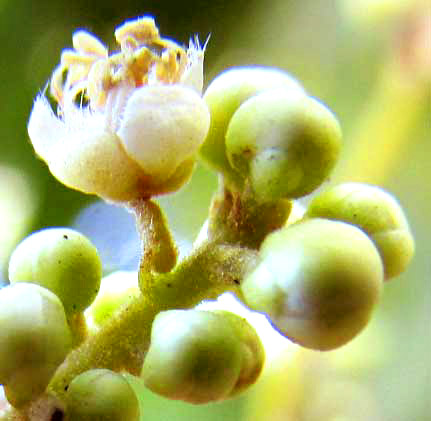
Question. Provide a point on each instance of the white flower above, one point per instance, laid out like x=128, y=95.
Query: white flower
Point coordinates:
x=128, y=124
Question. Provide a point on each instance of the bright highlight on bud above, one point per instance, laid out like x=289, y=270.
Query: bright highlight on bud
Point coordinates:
x=129, y=123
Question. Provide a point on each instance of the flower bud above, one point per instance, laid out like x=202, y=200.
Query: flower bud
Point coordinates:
x=285, y=143
x=253, y=353
x=34, y=340
x=101, y=395
x=61, y=260
x=374, y=211
x=162, y=126
x=225, y=95
x=201, y=356
x=140, y=121
x=318, y=281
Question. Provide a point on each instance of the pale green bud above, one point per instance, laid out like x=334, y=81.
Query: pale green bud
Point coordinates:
x=201, y=356
x=285, y=143
x=34, y=340
x=377, y=213
x=225, y=95
x=101, y=395
x=61, y=260
x=319, y=282
x=116, y=290
x=253, y=353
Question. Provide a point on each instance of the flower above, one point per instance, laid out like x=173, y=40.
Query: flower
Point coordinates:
x=129, y=123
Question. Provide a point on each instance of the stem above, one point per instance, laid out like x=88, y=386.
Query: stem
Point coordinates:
x=78, y=327
x=237, y=218
x=119, y=345
x=122, y=342
x=211, y=270
x=159, y=252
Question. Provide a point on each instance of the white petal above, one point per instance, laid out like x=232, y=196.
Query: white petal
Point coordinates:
x=44, y=127
x=162, y=126
x=82, y=154
x=194, y=74
x=94, y=162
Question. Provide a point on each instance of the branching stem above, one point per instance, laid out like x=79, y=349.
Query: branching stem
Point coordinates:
x=122, y=342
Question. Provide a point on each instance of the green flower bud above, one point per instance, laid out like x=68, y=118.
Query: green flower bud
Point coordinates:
x=374, y=211
x=318, y=281
x=225, y=95
x=101, y=395
x=253, y=354
x=199, y=356
x=34, y=340
x=116, y=290
x=285, y=143
x=62, y=260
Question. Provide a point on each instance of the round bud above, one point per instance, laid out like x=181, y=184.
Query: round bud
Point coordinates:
x=195, y=356
x=253, y=352
x=101, y=395
x=318, y=281
x=163, y=126
x=116, y=290
x=374, y=211
x=225, y=95
x=62, y=260
x=34, y=340
x=285, y=143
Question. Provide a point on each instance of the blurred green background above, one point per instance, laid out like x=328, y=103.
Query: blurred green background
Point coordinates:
x=370, y=61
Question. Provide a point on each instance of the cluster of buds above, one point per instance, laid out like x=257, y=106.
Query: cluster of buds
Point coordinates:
x=129, y=126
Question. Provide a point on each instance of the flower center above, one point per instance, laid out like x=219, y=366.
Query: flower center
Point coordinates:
x=87, y=72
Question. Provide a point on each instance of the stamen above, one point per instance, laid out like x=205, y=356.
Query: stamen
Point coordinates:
x=144, y=58
x=139, y=63
x=71, y=58
x=57, y=83
x=86, y=43
x=143, y=30
x=99, y=82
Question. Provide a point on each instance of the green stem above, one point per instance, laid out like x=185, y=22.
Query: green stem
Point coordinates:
x=159, y=252
x=122, y=342
x=237, y=218
x=211, y=270
x=119, y=345
x=78, y=327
